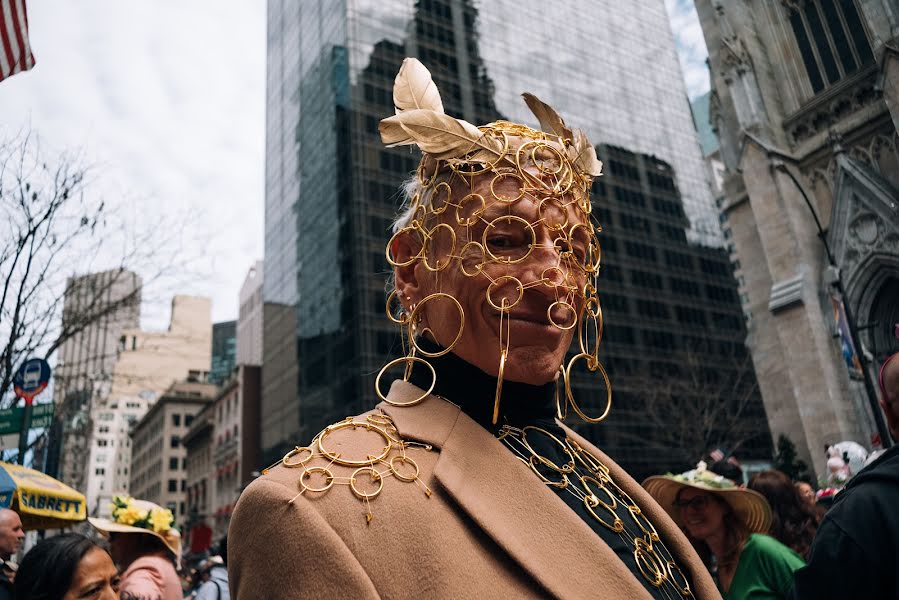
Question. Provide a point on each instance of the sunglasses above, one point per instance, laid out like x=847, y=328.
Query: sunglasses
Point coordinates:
x=696, y=502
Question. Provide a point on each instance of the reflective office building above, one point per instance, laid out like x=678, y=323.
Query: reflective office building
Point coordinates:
x=608, y=67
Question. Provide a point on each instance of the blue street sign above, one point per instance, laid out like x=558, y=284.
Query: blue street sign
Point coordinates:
x=31, y=379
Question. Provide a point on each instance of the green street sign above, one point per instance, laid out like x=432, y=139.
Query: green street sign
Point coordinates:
x=11, y=418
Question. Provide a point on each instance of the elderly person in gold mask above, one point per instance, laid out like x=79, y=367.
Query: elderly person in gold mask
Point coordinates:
x=463, y=482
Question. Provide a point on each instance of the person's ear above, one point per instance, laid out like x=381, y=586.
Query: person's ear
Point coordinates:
x=405, y=250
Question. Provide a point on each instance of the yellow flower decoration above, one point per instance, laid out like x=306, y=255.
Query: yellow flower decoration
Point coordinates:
x=161, y=520
x=130, y=515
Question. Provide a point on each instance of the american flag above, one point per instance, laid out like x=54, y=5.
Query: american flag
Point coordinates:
x=15, y=51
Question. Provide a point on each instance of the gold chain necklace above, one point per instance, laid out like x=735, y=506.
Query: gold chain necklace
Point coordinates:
x=588, y=479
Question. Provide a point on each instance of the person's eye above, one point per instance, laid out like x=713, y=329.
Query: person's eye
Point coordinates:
x=500, y=241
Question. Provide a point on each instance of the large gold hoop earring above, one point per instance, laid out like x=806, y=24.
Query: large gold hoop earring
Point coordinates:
x=408, y=360
x=569, y=396
x=414, y=316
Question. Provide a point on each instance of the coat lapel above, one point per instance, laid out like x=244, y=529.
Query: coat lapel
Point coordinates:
x=512, y=506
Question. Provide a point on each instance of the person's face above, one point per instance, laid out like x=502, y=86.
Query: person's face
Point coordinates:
x=520, y=240
x=702, y=513
x=806, y=493
x=95, y=579
x=11, y=533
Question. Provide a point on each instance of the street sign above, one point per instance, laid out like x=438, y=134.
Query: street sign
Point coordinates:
x=11, y=418
x=31, y=379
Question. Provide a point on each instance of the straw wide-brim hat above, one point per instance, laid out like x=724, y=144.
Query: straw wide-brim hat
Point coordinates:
x=170, y=537
x=749, y=506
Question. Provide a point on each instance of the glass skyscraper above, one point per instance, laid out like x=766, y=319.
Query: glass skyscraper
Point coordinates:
x=609, y=68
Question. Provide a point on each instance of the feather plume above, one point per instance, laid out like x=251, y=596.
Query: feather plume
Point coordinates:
x=583, y=155
x=413, y=88
x=438, y=134
x=550, y=121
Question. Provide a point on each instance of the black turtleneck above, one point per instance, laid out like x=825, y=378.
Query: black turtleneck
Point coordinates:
x=521, y=404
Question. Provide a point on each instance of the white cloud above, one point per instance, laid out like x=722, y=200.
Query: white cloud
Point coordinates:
x=168, y=99
x=691, y=47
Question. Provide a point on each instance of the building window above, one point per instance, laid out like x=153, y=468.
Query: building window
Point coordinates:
x=100, y=471
x=176, y=420
x=102, y=443
x=173, y=485
x=188, y=420
x=831, y=40
x=173, y=464
x=175, y=441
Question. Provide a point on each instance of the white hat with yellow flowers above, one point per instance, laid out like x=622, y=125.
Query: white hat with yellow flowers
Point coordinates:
x=140, y=516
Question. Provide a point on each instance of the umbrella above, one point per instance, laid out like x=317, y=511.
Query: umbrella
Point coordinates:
x=41, y=501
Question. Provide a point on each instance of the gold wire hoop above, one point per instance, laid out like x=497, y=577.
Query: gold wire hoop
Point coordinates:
x=684, y=589
x=480, y=264
x=461, y=323
x=540, y=164
x=570, y=397
x=375, y=476
x=499, y=384
x=405, y=460
x=335, y=457
x=293, y=465
x=585, y=479
x=500, y=177
x=308, y=473
x=561, y=407
x=405, y=230
x=582, y=264
x=421, y=174
x=476, y=215
x=549, y=315
x=541, y=214
x=432, y=199
x=506, y=259
x=404, y=316
x=429, y=237
x=563, y=483
x=407, y=360
x=649, y=564
x=505, y=307
x=548, y=282
x=565, y=469
x=583, y=336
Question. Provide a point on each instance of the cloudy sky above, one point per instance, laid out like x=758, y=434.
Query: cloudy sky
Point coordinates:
x=166, y=99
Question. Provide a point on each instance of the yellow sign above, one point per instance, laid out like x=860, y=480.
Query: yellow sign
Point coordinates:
x=40, y=496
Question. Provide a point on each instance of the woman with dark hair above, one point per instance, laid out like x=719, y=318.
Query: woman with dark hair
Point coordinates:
x=67, y=567
x=793, y=521
x=727, y=526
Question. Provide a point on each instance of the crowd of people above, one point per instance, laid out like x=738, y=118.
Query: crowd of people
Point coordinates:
x=134, y=555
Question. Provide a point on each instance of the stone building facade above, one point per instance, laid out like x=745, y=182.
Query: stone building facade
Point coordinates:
x=147, y=363
x=159, y=459
x=805, y=102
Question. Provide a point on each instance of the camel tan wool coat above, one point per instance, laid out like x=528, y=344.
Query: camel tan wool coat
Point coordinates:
x=490, y=529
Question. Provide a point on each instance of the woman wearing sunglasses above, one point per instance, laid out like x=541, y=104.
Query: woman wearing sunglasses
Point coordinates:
x=728, y=526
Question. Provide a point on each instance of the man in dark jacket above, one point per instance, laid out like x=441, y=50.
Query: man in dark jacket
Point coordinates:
x=856, y=550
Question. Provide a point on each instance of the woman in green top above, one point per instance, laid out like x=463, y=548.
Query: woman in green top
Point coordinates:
x=727, y=525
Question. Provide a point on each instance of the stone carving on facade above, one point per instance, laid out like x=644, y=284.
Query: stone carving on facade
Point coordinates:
x=865, y=218
x=737, y=72
x=833, y=106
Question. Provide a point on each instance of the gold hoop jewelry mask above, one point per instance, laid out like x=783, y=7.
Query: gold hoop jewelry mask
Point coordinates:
x=466, y=194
